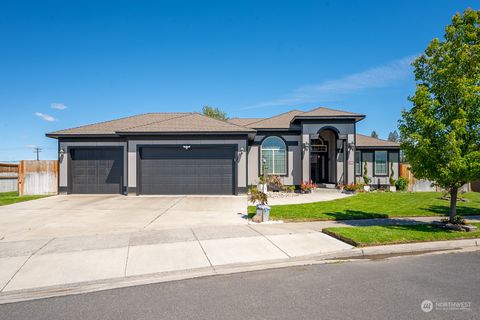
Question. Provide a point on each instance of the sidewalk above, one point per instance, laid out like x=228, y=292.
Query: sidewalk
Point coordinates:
x=59, y=261
x=59, y=264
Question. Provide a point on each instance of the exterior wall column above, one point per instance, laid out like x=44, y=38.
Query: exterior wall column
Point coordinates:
x=305, y=157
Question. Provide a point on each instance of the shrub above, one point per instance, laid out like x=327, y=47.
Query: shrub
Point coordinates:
x=366, y=179
x=392, y=173
x=456, y=220
x=289, y=189
x=402, y=184
x=353, y=187
x=256, y=196
x=307, y=186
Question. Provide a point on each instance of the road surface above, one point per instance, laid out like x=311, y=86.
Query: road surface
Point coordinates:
x=382, y=289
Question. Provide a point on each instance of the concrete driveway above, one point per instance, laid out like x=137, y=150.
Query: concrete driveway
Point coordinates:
x=75, y=215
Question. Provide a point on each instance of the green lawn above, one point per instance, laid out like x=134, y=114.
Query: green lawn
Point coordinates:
x=375, y=205
x=378, y=235
x=12, y=197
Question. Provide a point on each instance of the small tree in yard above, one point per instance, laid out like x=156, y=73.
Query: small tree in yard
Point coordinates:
x=441, y=133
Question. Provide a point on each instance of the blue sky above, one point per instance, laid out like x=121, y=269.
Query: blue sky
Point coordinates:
x=66, y=63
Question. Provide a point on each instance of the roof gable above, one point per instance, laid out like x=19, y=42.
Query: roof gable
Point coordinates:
x=193, y=122
x=363, y=141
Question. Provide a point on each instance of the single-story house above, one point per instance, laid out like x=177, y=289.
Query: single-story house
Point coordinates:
x=189, y=153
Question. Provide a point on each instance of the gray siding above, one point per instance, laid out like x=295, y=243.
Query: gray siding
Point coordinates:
x=294, y=164
x=379, y=180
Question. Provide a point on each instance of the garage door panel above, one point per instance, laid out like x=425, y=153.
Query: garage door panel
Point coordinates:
x=199, y=170
x=97, y=171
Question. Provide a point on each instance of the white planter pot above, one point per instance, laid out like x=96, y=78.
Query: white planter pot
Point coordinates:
x=393, y=188
x=366, y=188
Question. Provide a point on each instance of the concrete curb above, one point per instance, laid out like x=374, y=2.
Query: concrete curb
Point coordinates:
x=347, y=254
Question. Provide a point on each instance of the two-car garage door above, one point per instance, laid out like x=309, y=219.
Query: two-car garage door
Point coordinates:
x=189, y=169
x=192, y=169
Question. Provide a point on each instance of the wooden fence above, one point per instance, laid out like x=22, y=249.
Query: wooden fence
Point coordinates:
x=38, y=177
x=419, y=185
x=8, y=177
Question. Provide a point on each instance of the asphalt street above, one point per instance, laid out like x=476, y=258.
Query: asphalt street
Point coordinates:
x=381, y=289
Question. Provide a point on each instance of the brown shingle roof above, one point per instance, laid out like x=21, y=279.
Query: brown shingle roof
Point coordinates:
x=193, y=122
x=154, y=122
x=326, y=112
x=363, y=141
x=244, y=121
x=281, y=121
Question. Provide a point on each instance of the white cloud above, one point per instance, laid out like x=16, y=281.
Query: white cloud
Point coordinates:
x=45, y=117
x=377, y=77
x=58, y=106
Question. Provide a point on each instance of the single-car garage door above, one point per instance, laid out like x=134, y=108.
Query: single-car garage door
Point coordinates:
x=96, y=170
x=192, y=169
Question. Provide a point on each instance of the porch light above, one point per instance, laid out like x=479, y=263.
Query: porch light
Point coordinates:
x=306, y=146
x=62, y=151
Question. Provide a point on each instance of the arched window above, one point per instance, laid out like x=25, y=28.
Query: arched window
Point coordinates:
x=274, y=151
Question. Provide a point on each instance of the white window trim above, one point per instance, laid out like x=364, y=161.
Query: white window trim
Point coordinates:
x=271, y=170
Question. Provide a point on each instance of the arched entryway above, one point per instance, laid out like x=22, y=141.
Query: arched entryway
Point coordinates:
x=323, y=156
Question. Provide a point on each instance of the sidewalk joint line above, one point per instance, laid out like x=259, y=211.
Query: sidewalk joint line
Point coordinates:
x=270, y=241
x=25, y=262
x=126, y=260
x=163, y=212
x=204, y=252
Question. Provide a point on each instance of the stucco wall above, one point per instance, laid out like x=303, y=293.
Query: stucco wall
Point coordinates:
x=294, y=165
x=375, y=179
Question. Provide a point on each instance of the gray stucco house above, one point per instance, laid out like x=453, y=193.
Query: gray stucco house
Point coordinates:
x=189, y=153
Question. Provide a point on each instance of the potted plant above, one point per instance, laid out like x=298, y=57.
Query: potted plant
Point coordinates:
x=307, y=187
x=260, y=199
x=393, y=187
x=366, y=179
x=350, y=188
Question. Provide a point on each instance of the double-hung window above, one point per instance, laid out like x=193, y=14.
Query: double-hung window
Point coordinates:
x=358, y=163
x=274, y=152
x=380, y=167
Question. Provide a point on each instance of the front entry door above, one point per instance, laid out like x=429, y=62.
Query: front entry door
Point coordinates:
x=319, y=167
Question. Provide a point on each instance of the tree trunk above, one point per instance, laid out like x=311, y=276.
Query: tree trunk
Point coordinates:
x=453, y=203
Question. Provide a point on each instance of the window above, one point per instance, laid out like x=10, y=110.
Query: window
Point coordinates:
x=274, y=151
x=358, y=163
x=380, y=168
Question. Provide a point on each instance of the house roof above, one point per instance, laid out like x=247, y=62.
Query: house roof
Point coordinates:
x=281, y=121
x=329, y=113
x=244, y=121
x=154, y=123
x=284, y=120
x=191, y=122
x=363, y=141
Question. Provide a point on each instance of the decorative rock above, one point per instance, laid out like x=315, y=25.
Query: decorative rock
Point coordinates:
x=257, y=218
x=469, y=228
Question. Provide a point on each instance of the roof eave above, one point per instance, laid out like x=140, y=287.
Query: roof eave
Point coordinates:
x=81, y=135
x=352, y=117
x=377, y=147
x=125, y=133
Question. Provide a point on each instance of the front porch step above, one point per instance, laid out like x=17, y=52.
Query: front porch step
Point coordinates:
x=327, y=185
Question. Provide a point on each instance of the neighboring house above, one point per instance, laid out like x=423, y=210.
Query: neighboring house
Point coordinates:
x=189, y=153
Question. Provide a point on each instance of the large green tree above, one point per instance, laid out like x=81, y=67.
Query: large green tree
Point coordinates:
x=441, y=132
x=214, y=113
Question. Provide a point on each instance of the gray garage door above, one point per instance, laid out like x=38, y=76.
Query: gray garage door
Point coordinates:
x=96, y=170
x=186, y=170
